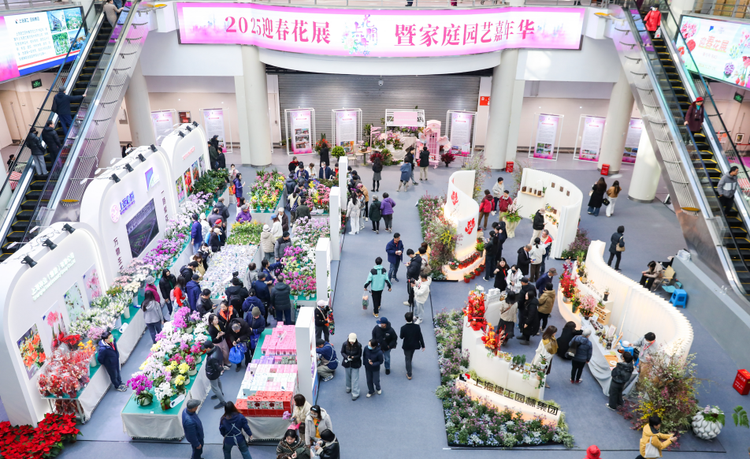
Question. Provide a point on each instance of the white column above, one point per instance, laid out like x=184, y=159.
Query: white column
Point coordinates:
x=646, y=173
x=501, y=101
x=334, y=218
x=343, y=166
x=256, y=108
x=616, y=127
x=139, y=110
x=323, y=268
x=304, y=333
x=112, y=148
x=514, y=128
x=239, y=93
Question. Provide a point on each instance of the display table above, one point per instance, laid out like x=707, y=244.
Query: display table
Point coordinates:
x=89, y=397
x=151, y=423
x=264, y=216
x=602, y=362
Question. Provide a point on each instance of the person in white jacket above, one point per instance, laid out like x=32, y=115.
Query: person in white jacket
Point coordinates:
x=276, y=229
x=421, y=293
x=514, y=279
x=537, y=256
x=497, y=193
x=352, y=213
x=267, y=243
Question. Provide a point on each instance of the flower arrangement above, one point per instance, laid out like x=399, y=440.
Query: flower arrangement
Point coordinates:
x=587, y=305
x=65, y=374
x=475, y=309
x=142, y=386
x=299, y=270
x=439, y=233
x=265, y=192
x=568, y=284
x=447, y=158
x=492, y=339
x=307, y=231
x=580, y=245
x=470, y=422
x=338, y=151
x=45, y=441
x=513, y=215
x=245, y=233
x=213, y=181
x=323, y=142
x=318, y=196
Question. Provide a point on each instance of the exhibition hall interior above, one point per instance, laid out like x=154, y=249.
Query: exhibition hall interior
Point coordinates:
x=301, y=229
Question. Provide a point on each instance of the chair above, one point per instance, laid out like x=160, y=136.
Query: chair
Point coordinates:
x=679, y=298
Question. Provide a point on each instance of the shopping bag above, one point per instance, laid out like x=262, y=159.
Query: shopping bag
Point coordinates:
x=651, y=451
x=657, y=34
x=365, y=301
x=237, y=353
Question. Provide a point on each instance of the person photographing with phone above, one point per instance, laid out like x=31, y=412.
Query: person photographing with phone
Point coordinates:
x=652, y=441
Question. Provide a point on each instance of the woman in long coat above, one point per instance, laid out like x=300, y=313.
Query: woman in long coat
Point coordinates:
x=597, y=197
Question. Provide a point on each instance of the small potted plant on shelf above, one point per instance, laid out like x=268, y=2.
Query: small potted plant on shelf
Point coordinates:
x=606, y=294
x=453, y=265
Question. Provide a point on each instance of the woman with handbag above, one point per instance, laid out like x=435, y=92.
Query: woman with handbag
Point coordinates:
x=597, y=197
x=217, y=333
x=612, y=193
x=231, y=426
x=616, y=247
x=546, y=350
x=563, y=343
x=653, y=442
x=508, y=313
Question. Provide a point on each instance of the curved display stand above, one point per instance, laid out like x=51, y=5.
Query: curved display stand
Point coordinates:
x=557, y=193
x=634, y=312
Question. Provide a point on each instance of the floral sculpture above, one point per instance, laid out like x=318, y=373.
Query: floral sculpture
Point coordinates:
x=475, y=309
x=492, y=339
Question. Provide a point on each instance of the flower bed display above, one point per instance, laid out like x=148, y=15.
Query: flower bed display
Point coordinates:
x=473, y=423
x=231, y=258
x=299, y=270
x=308, y=231
x=46, y=440
x=245, y=234
x=439, y=234
x=212, y=182
x=265, y=193
x=104, y=311
x=168, y=365
x=318, y=196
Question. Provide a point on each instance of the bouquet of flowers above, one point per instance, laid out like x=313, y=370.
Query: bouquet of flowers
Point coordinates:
x=66, y=373
x=245, y=233
x=587, y=306
x=142, y=386
x=492, y=339
x=568, y=284
x=475, y=309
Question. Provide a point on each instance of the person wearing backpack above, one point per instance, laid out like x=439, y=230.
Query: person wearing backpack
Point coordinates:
x=214, y=370
x=378, y=278
x=620, y=378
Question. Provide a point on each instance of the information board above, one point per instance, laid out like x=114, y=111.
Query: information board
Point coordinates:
x=346, y=129
x=591, y=138
x=546, y=136
x=213, y=120
x=633, y=138
x=461, y=131
x=301, y=122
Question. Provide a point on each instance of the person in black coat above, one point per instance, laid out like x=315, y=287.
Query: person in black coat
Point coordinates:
x=377, y=168
x=530, y=318
x=387, y=338
x=328, y=446
x=411, y=340
x=61, y=106
x=502, y=236
x=538, y=224
x=214, y=369
x=413, y=269
x=321, y=320
x=49, y=135
x=372, y=357
x=526, y=287
x=108, y=355
x=205, y=305
x=351, y=360
x=282, y=303
x=617, y=239
x=563, y=342
x=324, y=156
x=424, y=162
x=238, y=331
x=214, y=241
x=236, y=289
x=253, y=301
x=34, y=143
x=620, y=378
x=501, y=273
x=597, y=197
x=409, y=158
x=524, y=259
x=166, y=284
x=489, y=250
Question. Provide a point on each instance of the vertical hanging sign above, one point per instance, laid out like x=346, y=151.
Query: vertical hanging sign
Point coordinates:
x=213, y=121
x=346, y=129
x=633, y=138
x=163, y=124
x=461, y=130
x=591, y=139
x=301, y=123
x=546, y=134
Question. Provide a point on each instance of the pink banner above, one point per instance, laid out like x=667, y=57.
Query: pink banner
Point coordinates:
x=380, y=33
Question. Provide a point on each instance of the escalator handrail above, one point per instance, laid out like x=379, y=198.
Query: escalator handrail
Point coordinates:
x=659, y=90
x=72, y=156
x=30, y=164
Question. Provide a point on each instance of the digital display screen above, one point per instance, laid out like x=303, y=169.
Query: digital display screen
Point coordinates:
x=143, y=228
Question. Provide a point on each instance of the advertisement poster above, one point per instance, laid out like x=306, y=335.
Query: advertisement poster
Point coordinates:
x=74, y=302
x=301, y=122
x=720, y=48
x=380, y=33
x=546, y=135
x=92, y=284
x=461, y=130
x=188, y=179
x=196, y=171
x=591, y=139
x=152, y=178
x=32, y=351
x=632, y=139
x=142, y=229
x=55, y=320
x=180, y=190
x=202, y=164
x=346, y=129
x=213, y=121
x=33, y=42
x=163, y=124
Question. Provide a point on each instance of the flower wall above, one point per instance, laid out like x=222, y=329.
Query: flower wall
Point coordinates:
x=299, y=260
x=439, y=234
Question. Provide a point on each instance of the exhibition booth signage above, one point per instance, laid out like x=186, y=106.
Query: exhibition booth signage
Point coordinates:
x=379, y=33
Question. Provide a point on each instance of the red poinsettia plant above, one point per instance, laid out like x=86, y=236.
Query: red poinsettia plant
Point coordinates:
x=62, y=338
x=44, y=441
x=568, y=284
x=474, y=310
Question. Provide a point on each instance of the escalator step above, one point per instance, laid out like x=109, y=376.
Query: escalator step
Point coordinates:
x=38, y=184
x=20, y=225
x=742, y=243
x=33, y=194
x=738, y=231
x=26, y=214
x=14, y=236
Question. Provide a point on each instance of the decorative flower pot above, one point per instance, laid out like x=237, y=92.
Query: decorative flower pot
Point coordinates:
x=166, y=404
x=606, y=297
x=703, y=429
x=466, y=279
x=192, y=372
x=93, y=361
x=145, y=399
x=126, y=313
x=566, y=300
x=510, y=228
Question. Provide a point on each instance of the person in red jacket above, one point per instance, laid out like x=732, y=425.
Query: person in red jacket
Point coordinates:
x=653, y=20
x=485, y=207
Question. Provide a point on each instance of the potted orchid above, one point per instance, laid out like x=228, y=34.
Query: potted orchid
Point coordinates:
x=142, y=386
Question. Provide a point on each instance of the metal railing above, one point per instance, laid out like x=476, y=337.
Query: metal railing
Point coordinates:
x=395, y=4
x=732, y=8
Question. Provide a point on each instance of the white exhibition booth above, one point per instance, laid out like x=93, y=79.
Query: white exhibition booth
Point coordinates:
x=634, y=311
x=463, y=211
x=562, y=201
x=186, y=152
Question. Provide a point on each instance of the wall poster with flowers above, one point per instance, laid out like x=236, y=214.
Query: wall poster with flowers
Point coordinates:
x=92, y=284
x=55, y=324
x=74, y=302
x=32, y=351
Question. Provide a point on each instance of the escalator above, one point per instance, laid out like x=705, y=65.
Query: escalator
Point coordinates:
x=32, y=194
x=692, y=163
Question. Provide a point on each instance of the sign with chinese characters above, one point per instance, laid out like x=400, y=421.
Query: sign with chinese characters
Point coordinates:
x=380, y=33
x=591, y=138
x=720, y=49
x=301, y=121
x=635, y=129
x=47, y=281
x=546, y=137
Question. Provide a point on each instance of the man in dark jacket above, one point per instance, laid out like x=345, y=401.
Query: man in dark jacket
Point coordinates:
x=582, y=356
x=529, y=320
x=489, y=250
x=620, y=378
x=281, y=244
x=187, y=272
x=524, y=259
x=34, y=144
x=108, y=355
x=214, y=216
x=213, y=155
x=214, y=370
x=538, y=224
x=238, y=331
x=49, y=135
x=236, y=289
x=545, y=279
x=196, y=234
x=411, y=340
x=424, y=163
x=223, y=209
x=205, y=305
x=282, y=303
x=166, y=284
x=61, y=105
x=525, y=288
x=373, y=357
x=327, y=360
x=395, y=250
x=193, y=427
x=302, y=211
x=386, y=336
x=502, y=236
x=193, y=292
x=351, y=360
x=413, y=268
x=261, y=290
x=325, y=172
x=293, y=164
x=616, y=240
